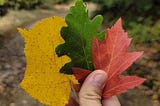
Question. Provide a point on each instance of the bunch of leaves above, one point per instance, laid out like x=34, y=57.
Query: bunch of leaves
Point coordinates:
x=50, y=3
x=3, y=7
x=144, y=32
x=155, y=31
x=145, y=17
x=2, y=2
x=112, y=56
x=19, y=4
x=140, y=5
x=25, y=4
x=78, y=37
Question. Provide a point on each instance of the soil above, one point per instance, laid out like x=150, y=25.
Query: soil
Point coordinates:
x=12, y=67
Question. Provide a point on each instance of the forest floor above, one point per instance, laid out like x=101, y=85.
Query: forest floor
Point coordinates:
x=12, y=62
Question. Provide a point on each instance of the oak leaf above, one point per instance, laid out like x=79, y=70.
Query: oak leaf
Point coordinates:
x=78, y=37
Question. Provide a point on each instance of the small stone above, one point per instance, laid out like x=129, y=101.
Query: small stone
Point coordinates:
x=156, y=103
x=7, y=66
x=159, y=92
x=149, y=92
x=1, y=89
x=12, y=104
x=0, y=67
x=18, y=65
x=9, y=80
x=155, y=97
x=24, y=102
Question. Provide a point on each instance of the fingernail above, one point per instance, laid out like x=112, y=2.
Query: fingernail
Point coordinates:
x=100, y=79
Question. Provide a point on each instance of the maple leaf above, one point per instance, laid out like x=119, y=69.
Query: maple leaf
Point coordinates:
x=42, y=79
x=78, y=37
x=112, y=56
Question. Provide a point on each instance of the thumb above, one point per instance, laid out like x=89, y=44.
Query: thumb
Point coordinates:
x=91, y=90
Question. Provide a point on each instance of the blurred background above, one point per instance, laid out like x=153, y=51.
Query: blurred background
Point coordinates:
x=141, y=19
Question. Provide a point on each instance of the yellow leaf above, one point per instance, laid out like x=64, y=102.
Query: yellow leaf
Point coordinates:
x=42, y=79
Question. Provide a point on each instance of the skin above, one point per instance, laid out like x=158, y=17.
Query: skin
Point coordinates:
x=90, y=93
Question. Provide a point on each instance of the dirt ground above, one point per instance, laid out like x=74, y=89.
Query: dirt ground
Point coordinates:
x=12, y=65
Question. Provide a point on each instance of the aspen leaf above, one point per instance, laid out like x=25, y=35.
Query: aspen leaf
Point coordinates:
x=42, y=79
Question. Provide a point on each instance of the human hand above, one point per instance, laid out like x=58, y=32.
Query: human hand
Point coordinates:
x=90, y=93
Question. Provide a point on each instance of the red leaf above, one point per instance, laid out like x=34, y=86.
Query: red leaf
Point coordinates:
x=112, y=56
x=120, y=85
x=80, y=74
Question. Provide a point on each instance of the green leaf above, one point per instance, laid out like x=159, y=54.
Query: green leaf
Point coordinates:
x=78, y=37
